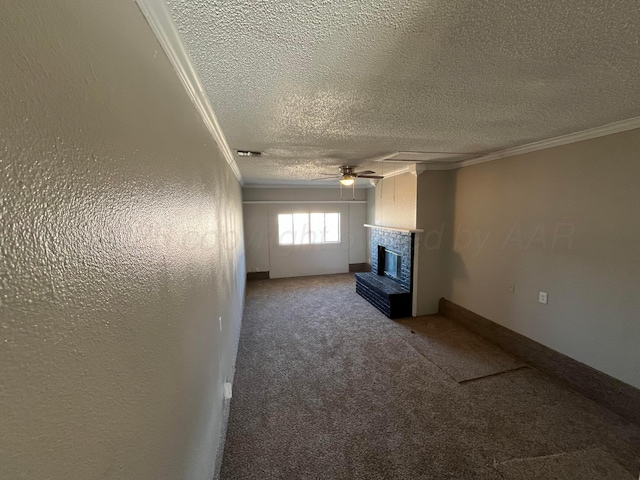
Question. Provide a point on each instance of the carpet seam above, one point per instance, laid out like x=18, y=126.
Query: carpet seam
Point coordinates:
x=482, y=377
x=425, y=357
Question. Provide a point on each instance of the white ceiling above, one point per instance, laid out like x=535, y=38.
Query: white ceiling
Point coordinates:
x=317, y=84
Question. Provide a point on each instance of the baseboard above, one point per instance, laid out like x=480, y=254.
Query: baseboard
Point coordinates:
x=223, y=439
x=613, y=394
x=359, y=267
x=257, y=276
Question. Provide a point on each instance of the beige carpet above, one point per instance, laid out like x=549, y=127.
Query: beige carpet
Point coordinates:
x=329, y=388
x=458, y=352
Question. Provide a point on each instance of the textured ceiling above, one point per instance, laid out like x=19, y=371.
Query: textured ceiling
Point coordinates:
x=318, y=84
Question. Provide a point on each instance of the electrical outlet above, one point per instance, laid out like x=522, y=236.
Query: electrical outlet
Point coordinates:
x=542, y=297
x=512, y=287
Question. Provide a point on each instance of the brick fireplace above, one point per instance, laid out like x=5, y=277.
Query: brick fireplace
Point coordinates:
x=389, y=285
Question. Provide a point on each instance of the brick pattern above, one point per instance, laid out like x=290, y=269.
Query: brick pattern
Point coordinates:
x=399, y=242
x=392, y=296
x=384, y=294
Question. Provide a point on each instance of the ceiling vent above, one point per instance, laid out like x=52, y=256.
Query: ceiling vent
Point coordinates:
x=248, y=153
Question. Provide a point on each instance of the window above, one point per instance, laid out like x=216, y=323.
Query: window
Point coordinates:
x=306, y=228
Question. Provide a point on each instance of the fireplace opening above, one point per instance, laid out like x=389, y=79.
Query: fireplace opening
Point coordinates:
x=392, y=264
x=389, y=263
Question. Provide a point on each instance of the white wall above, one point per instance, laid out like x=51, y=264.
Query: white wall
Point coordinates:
x=565, y=221
x=261, y=232
x=121, y=247
x=395, y=202
x=303, y=260
x=371, y=218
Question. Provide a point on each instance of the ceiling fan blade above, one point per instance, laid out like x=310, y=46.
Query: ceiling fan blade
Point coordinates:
x=379, y=177
x=365, y=172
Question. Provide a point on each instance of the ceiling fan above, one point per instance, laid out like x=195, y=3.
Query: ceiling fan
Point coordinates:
x=348, y=175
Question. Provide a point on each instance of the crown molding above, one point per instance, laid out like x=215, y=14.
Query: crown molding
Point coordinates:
x=395, y=173
x=159, y=19
x=416, y=169
x=302, y=186
x=443, y=166
x=601, y=131
x=299, y=202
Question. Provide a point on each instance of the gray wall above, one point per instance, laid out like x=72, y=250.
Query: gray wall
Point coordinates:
x=357, y=234
x=121, y=247
x=434, y=215
x=565, y=221
x=256, y=236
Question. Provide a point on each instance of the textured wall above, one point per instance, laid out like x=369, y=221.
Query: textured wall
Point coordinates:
x=565, y=221
x=121, y=247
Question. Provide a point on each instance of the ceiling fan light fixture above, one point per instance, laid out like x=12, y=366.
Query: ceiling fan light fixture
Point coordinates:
x=347, y=180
